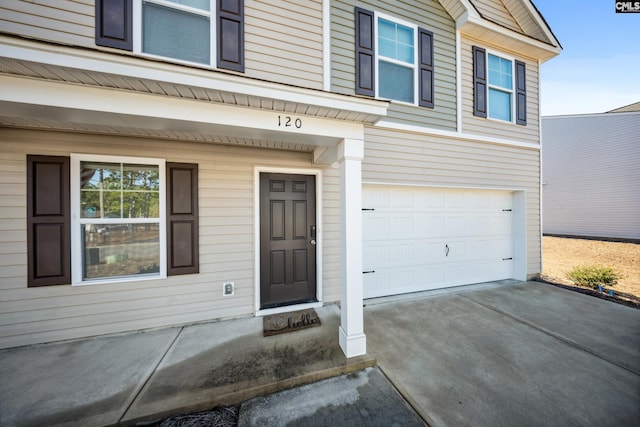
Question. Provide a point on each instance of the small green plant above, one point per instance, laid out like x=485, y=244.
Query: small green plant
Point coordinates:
x=592, y=276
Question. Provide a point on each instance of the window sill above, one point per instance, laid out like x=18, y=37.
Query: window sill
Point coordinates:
x=506, y=122
x=123, y=279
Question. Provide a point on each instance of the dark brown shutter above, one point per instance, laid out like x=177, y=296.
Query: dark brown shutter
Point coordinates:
x=182, y=219
x=114, y=23
x=48, y=221
x=365, y=47
x=231, y=35
x=479, y=82
x=521, y=93
x=425, y=45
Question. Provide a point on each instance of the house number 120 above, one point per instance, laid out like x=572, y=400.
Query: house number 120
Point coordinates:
x=288, y=121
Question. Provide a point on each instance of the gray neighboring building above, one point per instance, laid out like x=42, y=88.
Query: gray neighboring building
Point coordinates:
x=591, y=174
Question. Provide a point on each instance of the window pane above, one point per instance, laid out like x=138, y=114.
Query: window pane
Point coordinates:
x=404, y=35
x=500, y=72
x=395, y=82
x=118, y=250
x=386, y=29
x=95, y=175
x=499, y=105
x=198, y=4
x=100, y=189
x=100, y=204
x=141, y=204
x=140, y=177
x=395, y=41
x=119, y=191
x=175, y=34
x=387, y=48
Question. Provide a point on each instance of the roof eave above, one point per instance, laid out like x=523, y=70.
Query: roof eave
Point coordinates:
x=489, y=32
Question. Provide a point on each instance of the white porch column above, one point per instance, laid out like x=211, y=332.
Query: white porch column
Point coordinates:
x=352, y=339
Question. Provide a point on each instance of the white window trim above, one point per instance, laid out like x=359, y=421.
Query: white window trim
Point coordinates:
x=137, y=31
x=76, y=235
x=501, y=89
x=378, y=15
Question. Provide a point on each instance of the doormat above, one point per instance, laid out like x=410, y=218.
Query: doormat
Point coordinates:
x=288, y=322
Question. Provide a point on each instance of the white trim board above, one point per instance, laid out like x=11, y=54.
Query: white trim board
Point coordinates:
x=384, y=124
x=144, y=68
x=25, y=97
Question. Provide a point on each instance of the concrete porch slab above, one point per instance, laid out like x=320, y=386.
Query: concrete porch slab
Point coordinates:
x=147, y=376
x=229, y=362
x=86, y=382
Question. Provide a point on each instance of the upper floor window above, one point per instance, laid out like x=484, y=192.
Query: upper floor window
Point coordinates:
x=394, y=59
x=179, y=29
x=499, y=87
x=205, y=32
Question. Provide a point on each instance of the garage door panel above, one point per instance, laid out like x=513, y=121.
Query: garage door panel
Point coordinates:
x=418, y=239
x=403, y=280
x=375, y=226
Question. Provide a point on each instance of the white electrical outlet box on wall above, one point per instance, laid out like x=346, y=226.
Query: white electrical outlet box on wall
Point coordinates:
x=228, y=289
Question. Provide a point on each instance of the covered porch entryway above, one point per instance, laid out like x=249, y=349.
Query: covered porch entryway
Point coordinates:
x=132, y=97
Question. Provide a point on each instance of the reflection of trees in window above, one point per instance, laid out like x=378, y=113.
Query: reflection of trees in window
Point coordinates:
x=119, y=190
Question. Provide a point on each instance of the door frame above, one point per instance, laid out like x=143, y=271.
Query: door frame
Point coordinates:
x=256, y=233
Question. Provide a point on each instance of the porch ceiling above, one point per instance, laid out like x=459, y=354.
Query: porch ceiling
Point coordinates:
x=79, y=68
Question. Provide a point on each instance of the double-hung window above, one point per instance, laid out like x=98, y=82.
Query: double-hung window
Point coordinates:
x=394, y=59
x=203, y=32
x=117, y=225
x=500, y=88
x=178, y=29
x=102, y=219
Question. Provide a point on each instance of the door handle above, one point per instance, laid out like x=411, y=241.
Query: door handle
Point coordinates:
x=447, y=247
x=313, y=241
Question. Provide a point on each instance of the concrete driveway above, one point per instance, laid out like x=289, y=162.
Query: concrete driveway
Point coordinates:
x=510, y=355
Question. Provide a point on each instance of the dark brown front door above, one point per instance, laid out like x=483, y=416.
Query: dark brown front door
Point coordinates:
x=287, y=239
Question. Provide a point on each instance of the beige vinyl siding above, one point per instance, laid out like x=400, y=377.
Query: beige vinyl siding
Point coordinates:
x=495, y=11
x=404, y=158
x=283, y=41
x=69, y=22
x=455, y=8
x=226, y=176
x=525, y=21
x=497, y=128
x=426, y=14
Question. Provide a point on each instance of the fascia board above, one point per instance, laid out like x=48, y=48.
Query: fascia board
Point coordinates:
x=124, y=65
x=471, y=25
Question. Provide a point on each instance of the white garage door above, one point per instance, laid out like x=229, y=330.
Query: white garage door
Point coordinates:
x=417, y=239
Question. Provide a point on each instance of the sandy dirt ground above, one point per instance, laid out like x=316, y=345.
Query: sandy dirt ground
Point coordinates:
x=561, y=255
